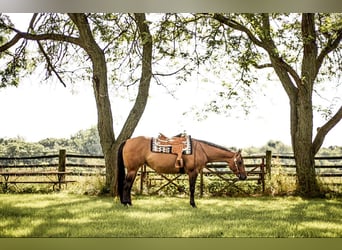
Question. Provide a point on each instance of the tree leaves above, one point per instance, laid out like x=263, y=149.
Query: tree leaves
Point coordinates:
x=184, y=44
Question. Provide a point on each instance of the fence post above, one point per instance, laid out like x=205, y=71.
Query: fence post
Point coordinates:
x=262, y=168
x=61, y=166
x=268, y=163
x=201, y=183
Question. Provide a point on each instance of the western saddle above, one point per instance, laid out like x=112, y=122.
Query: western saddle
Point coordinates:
x=177, y=144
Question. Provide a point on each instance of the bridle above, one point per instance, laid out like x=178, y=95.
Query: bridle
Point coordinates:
x=235, y=163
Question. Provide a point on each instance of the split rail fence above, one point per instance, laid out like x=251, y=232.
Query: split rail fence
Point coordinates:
x=60, y=169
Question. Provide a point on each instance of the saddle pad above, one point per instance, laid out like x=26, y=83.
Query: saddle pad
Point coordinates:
x=157, y=148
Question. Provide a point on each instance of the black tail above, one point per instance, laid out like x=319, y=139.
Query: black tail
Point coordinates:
x=121, y=171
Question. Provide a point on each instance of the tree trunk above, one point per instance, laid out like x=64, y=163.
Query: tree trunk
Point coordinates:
x=108, y=142
x=145, y=79
x=100, y=86
x=301, y=133
x=299, y=91
x=104, y=113
x=302, y=136
x=143, y=91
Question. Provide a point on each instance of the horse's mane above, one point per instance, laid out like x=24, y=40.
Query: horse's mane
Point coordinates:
x=214, y=145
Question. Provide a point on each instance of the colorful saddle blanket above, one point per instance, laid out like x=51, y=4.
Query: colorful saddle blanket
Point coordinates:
x=163, y=144
x=178, y=145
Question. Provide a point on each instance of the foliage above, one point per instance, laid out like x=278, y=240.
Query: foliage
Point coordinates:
x=280, y=183
x=88, y=185
x=216, y=187
x=83, y=142
x=63, y=60
x=87, y=142
x=65, y=215
x=12, y=61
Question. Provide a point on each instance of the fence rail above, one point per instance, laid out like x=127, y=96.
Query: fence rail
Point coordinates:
x=257, y=166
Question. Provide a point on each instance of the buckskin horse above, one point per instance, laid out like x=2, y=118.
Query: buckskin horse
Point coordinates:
x=135, y=152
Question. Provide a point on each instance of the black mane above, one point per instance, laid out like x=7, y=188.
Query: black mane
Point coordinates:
x=214, y=145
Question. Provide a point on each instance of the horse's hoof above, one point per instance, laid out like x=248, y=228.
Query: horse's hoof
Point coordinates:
x=127, y=204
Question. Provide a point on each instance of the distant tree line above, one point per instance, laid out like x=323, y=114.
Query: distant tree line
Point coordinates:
x=83, y=142
x=278, y=147
x=88, y=142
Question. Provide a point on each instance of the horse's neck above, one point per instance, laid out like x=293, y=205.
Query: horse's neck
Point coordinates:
x=216, y=154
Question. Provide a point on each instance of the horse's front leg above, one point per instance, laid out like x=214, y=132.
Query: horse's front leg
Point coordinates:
x=192, y=183
x=129, y=180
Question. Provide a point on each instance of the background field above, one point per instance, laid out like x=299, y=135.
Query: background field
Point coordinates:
x=67, y=215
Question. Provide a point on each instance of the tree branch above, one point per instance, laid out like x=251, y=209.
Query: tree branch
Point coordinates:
x=332, y=44
x=309, y=67
x=28, y=36
x=271, y=49
x=263, y=66
x=11, y=43
x=280, y=66
x=237, y=26
x=288, y=69
x=55, y=37
x=33, y=19
x=323, y=131
x=145, y=78
x=170, y=74
x=49, y=63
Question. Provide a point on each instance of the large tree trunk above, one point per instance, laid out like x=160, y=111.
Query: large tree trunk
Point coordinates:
x=301, y=133
x=105, y=121
x=108, y=142
x=299, y=88
x=100, y=86
x=143, y=91
x=299, y=91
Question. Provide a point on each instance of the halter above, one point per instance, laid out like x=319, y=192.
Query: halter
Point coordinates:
x=235, y=162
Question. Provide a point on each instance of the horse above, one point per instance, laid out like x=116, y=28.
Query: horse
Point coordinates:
x=135, y=152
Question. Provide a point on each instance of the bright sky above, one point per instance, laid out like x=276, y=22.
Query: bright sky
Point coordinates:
x=36, y=111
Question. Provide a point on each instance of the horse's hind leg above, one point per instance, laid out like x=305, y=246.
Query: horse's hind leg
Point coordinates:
x=129, y=180
x=192, y=183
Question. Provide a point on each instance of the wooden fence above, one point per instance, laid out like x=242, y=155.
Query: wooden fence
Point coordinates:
x=58, y=169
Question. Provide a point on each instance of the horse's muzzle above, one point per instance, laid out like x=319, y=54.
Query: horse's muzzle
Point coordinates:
x=242, y=177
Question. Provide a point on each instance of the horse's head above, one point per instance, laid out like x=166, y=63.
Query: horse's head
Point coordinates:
x=237, y=166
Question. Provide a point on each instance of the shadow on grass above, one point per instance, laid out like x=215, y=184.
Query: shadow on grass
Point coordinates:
x=62, y=215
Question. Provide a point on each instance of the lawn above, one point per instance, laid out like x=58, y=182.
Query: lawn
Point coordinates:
x=68, y=215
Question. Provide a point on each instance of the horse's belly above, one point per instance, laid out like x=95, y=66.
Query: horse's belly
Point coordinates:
x=163, y=163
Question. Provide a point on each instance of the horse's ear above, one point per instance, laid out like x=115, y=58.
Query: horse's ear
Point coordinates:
x=239, y=151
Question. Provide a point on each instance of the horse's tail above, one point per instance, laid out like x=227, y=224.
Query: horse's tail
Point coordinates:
x=121, y=170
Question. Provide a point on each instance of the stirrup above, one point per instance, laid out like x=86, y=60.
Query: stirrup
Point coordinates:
x=180, y=165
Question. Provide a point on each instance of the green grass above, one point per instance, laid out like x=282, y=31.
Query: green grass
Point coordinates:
x=66, y=215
